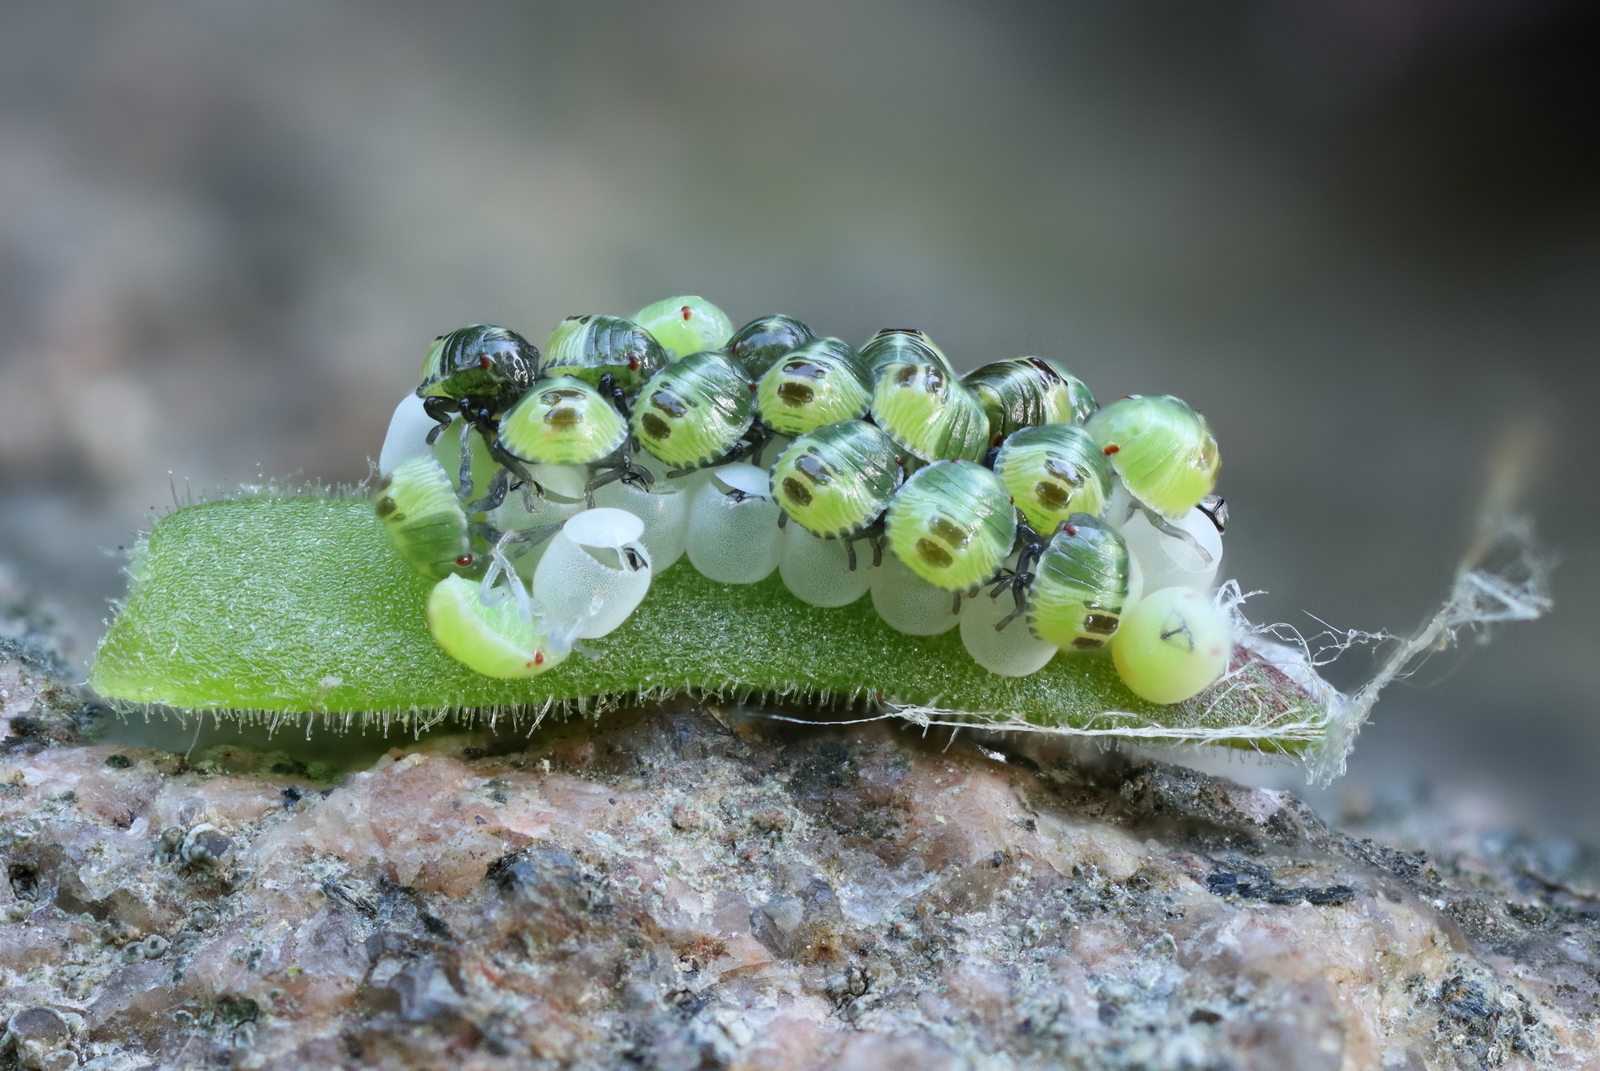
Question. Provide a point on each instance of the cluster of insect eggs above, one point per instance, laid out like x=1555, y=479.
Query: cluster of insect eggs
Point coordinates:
x=543, y=492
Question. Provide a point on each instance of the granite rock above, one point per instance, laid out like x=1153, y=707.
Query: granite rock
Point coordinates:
x=690, y=887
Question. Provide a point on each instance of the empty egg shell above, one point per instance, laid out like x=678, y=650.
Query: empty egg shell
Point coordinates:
x=407, y=436
x=595, y=572
x=1172, y=562
x=664, y=509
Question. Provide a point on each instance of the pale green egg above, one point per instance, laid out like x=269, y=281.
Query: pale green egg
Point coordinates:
x=1172, y=646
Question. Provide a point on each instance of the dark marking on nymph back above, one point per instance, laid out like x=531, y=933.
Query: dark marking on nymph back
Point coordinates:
x=810, y=369
x=949, y=531
x=1103, y=624
x=669, y=403
x=796, y=491
x=813, y=469
x=796, y=394
x=934, y=554
x=1051, y=495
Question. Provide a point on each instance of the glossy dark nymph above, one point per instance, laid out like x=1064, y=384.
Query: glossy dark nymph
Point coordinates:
x=758, y=344
x=477, y=371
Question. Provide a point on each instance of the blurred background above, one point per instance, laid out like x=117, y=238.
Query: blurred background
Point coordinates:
x=1360, y=235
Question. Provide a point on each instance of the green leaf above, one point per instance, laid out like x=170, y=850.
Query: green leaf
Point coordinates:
x=290, y=606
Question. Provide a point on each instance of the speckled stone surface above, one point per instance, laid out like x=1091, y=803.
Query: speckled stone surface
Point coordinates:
x=685, y=887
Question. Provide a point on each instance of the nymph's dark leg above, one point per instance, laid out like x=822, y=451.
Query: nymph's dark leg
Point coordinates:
x=1019, y=592
x=513, y=463
x=624, y=470
x=498, y=486
x=750, y=445
x=436, y=408
x=609, y=389
x=1032, y=547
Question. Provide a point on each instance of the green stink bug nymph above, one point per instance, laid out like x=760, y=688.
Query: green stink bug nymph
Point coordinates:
x=902, y=345
x=838, y=479
x=1029, y=391
x=562, y=421
x=493, y=639
x=928, y=413
x=609, y=353
x=763, y=340
x=685, y=325
x=952, y=524
x=1161, y=448
x=694, y=411
x=476, y=371
x=818, y=383
x=1080, y=585
x=1054, y=471
x=419, y=509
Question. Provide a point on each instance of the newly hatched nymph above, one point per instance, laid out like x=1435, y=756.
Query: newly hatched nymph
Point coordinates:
x=820, y=382
x=476, y=371
x=1054, y=471
x=685, y=325
x=758, y=344
x=1161, y=448
x=695, y=410
x=1027, y=392
x=952, y=524
x=838, y=479
x=609, y=353
x=424, y=519
x=928, y=413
